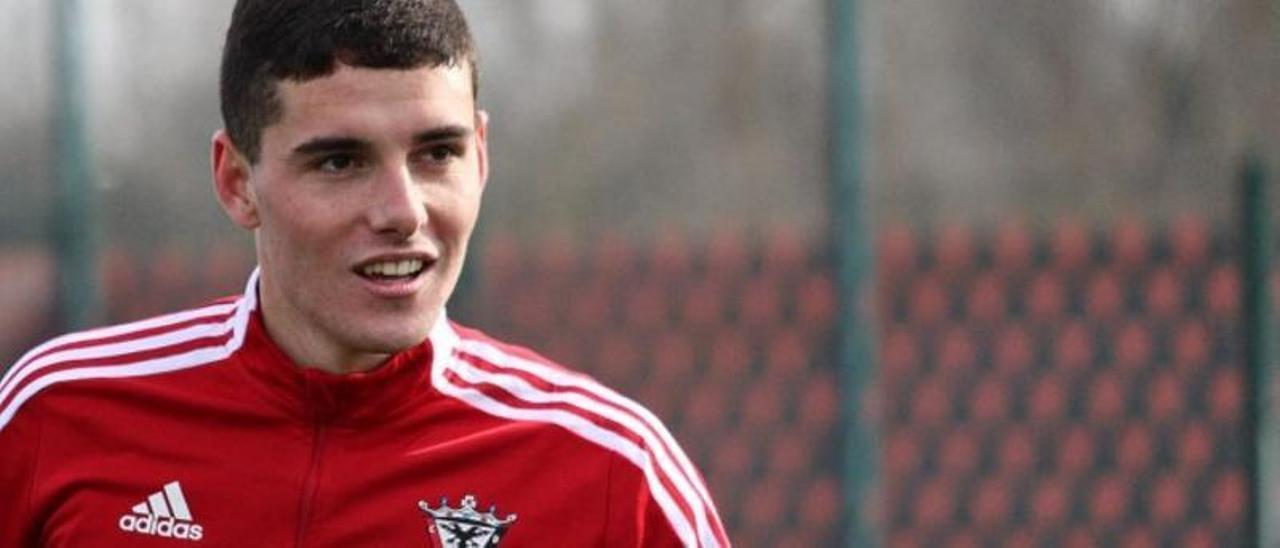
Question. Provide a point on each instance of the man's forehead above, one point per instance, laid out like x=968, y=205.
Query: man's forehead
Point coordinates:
x=441, y=82
x=366, y=103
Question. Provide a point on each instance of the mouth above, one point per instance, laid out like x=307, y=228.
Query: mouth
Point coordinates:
x=393, y=270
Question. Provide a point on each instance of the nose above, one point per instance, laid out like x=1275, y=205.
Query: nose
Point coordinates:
x=397, y=207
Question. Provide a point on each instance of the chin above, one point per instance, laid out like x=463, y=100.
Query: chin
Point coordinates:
x=389, y=326
x=391, y=342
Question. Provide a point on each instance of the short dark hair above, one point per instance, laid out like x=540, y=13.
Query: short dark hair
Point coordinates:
x=273, y=40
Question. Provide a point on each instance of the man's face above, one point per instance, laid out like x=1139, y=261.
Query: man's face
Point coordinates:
x=363, y=199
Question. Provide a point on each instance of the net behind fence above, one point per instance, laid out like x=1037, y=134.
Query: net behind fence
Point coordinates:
x=1074, y=388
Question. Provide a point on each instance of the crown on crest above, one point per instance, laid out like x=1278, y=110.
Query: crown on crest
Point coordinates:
x=466, y=513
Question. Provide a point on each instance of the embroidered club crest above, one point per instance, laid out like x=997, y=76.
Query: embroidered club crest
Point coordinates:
x=465, y=527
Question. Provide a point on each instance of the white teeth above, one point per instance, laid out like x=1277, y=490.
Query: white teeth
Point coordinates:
x=393, y=268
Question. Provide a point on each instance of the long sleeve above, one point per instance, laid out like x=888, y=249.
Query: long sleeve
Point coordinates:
x=19, y=447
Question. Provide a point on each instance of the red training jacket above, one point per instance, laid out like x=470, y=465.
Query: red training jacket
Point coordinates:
x=194, y=429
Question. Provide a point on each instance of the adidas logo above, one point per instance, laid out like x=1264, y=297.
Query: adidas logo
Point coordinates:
x=164, y=514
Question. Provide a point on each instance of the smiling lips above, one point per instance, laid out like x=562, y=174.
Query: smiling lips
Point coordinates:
x=395, y=278
x=392, y=269
x=396, y=271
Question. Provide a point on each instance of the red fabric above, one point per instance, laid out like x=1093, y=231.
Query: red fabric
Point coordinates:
x=266, y=453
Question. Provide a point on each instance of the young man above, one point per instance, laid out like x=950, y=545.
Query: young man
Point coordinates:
x=333, y=404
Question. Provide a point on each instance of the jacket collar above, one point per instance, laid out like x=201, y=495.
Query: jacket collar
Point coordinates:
x=320, y=396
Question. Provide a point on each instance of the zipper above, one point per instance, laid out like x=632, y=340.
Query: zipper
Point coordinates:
x=311, y=482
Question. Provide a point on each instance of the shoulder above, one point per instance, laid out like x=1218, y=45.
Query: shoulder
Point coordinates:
x=473, y=342
x=153, y=346
x=526, y=377
x=516, y=383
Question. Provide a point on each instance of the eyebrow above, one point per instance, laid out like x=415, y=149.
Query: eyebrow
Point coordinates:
x=321, y=145
x=445, y=133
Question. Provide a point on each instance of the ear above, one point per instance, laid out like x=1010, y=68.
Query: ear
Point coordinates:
x=482, y=144
x=231, y=172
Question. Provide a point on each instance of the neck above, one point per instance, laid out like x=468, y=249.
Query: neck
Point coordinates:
x=309, y=347
x=313, y=353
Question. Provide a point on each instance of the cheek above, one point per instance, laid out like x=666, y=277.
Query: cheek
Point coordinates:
x=297, y=226
x=454, y=215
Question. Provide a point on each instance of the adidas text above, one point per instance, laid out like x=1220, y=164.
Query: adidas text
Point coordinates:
x=164, y=513
x=161, y=527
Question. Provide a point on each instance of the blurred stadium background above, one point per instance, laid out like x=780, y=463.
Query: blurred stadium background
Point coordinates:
x=897, y=272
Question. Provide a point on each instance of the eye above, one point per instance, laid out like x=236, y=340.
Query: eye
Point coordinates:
x=338, y=163
x=442, y=154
